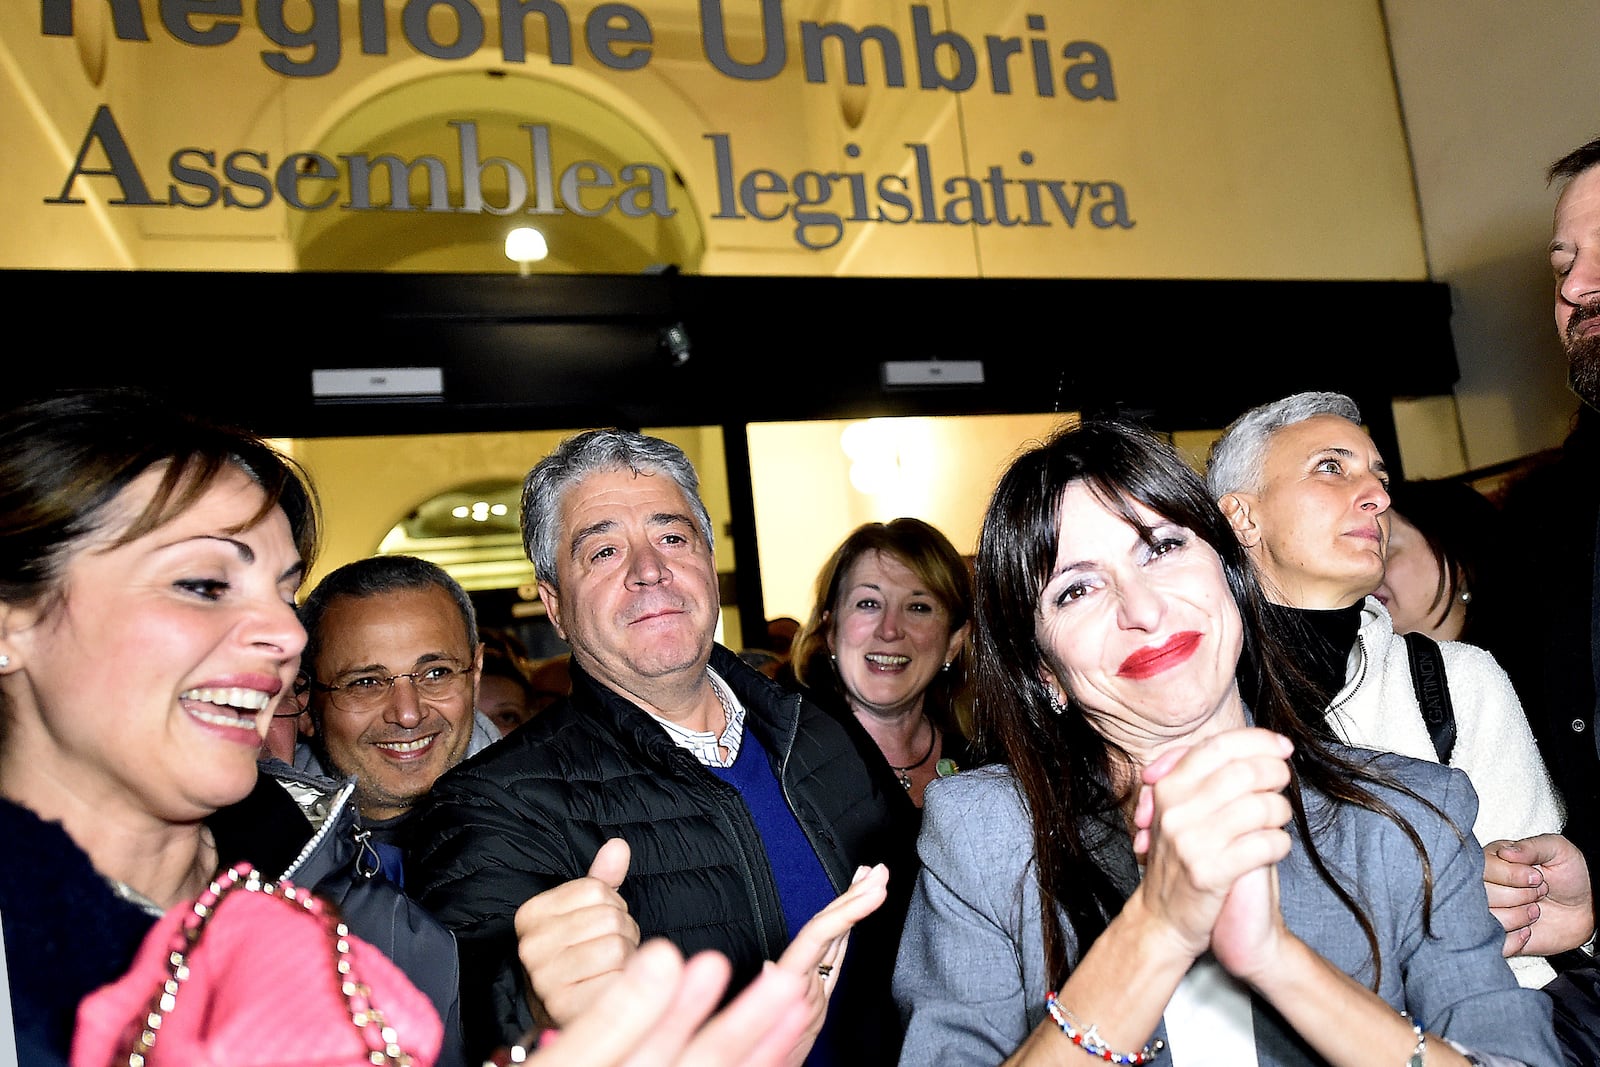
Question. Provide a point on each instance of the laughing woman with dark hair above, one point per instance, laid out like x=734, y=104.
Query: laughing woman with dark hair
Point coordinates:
x=1156, y=865
x=147, y=634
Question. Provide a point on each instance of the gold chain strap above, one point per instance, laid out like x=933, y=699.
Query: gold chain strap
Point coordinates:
x=382, y=1042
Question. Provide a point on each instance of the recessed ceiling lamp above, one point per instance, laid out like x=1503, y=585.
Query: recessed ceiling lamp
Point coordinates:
x=525, y=246
x=479, y=511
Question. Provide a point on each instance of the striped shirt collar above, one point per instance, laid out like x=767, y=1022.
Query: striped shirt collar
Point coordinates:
x=703, y=744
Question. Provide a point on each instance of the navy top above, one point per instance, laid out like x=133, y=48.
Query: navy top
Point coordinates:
x=803, y=885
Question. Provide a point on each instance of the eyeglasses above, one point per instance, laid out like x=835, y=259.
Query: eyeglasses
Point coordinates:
x=371, y=692
x=302, y=685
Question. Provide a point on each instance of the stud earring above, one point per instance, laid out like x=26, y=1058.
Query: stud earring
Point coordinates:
x=1466, y=596
x=946, y=665
x=5, y=661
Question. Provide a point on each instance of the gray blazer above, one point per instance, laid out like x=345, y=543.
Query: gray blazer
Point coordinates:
x=970, y=978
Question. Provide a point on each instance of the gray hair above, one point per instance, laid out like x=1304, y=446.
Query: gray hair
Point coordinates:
x=1238, y=457
x=597, y=452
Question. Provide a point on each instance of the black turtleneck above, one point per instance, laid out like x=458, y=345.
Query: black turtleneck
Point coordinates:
x=1323, y=637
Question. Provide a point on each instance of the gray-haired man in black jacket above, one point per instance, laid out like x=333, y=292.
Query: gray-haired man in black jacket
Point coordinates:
x=749, y=821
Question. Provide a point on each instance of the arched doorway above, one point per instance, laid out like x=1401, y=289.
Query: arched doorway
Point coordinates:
x=472, y=531
x=526, y=121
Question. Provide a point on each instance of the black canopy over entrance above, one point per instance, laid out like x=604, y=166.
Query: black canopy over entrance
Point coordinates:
x=506, y=352
x=519, y=353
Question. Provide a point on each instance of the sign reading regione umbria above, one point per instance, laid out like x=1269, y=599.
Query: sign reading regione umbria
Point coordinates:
x=819, y=204
x=870, y=134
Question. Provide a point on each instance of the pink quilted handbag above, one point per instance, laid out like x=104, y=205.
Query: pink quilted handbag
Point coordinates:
x=256, y=974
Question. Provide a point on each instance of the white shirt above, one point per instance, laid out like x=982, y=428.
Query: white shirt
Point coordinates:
x=705, y=745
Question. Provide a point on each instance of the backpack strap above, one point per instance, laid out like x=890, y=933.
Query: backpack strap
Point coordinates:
x=1433, y=692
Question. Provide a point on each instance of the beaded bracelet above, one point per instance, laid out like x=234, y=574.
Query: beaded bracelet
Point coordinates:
x=1420, y=1053
x=1088, y=1038
x=522, y=1051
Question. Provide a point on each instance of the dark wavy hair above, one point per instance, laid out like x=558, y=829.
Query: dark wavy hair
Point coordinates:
x=1461, y=528
x=929, y=554
x=1068, y=772
x=1574, y=163
x=66, y=457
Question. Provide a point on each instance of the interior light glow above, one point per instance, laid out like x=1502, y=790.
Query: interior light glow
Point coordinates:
x=525, y=246
x=892, y=460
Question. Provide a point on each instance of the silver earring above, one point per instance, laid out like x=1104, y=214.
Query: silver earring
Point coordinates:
x=1466, y=596
x=1058, y=705
x=5, y=661
x=947, y=664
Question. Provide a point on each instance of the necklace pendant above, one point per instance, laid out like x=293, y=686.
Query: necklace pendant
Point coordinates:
x=904, y=773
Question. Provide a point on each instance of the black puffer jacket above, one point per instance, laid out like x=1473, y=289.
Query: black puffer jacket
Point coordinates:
x=530, y=812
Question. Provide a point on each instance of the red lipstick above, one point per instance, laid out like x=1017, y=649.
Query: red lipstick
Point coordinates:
x=1157, y=658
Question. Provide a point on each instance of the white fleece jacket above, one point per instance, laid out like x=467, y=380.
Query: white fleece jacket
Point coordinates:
x=1377, y=708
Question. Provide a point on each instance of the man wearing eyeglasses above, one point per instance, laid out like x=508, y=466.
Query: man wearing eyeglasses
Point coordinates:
x=390, y=671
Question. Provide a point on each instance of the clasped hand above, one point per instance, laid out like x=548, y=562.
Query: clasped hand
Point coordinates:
x=1539, y=890
x=1209, y=826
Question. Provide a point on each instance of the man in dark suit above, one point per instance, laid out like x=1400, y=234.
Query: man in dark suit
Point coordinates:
x=1544, y=603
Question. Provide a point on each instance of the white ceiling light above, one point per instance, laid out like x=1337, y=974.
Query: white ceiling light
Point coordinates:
x=525, y=246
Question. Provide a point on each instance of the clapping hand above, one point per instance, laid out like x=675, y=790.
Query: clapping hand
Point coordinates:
x=818, y=949
x=1209, y=822
x=663, y=1021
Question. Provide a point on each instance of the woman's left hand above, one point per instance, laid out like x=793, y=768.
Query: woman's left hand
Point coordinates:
x=1250, y=930
x=1216, y=811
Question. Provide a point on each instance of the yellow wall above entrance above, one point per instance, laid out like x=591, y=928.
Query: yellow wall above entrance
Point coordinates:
x=1243, y=139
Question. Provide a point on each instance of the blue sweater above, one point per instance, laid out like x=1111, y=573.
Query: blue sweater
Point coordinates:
x=803, y=885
